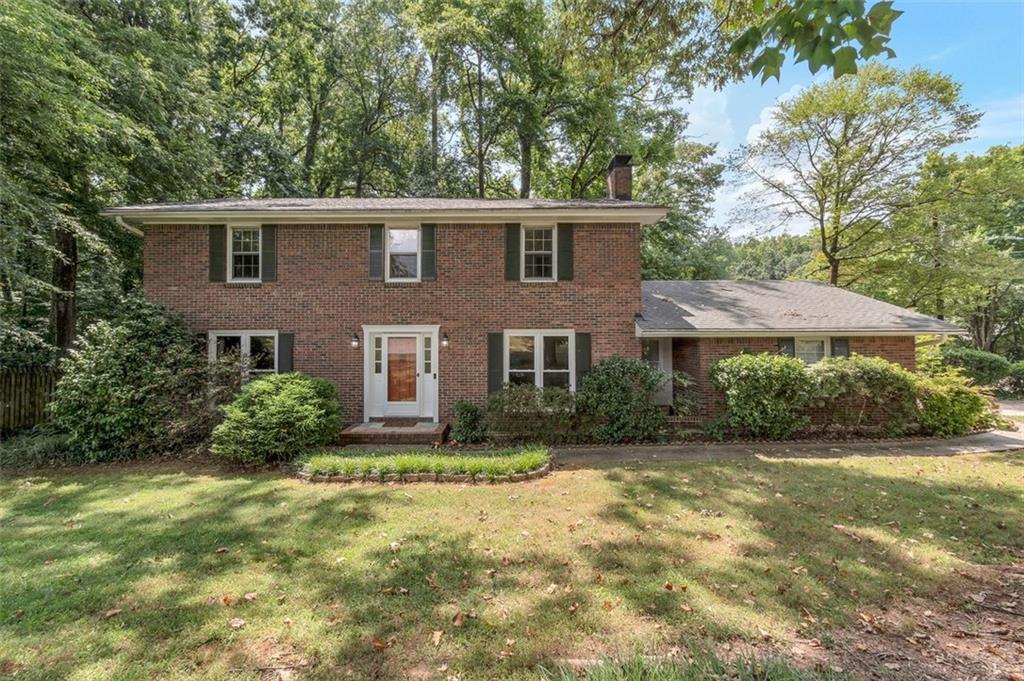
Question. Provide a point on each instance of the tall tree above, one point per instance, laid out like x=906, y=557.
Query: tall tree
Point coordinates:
x=843, y=156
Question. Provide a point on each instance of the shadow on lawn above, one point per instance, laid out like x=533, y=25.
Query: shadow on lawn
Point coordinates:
x=826, y=538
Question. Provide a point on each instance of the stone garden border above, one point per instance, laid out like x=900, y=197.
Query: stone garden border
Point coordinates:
x=458, y=478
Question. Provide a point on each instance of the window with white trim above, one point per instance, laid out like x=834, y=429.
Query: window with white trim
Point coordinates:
x=546, y=359
x=244, y=253
x=259, y=348
x=539, y=253
x=810, y=350
x=403, y=253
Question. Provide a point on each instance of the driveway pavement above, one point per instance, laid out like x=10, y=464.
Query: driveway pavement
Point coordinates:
x=978, y=443
x=1012, y=407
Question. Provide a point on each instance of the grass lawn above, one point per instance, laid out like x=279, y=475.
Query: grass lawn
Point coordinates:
x=174, y=571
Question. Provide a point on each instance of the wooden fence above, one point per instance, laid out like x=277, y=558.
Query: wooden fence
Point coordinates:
x=24, y=393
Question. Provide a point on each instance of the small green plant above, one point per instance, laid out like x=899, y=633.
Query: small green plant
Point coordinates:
x=949, y=405
x=38, y=448
x=469, y=423
x=696, y=665
x=764, y=394
x=275, y=418
x=984, y=368
x=618, y=394
x=526, y=413
x=488, y=464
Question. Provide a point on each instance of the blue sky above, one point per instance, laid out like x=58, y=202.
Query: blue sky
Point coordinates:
x=979, y=43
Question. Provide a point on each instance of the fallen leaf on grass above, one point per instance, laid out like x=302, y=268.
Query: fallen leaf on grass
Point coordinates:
x=222, y=549
x=113, y=612
x=459, y=619
x=574, y=607
x=685, y=608
x=436, y=637
x=236, y=622
x=381, y=644
x=432, y=581
x=251, y=596
x=607, y=605
x=226, y=600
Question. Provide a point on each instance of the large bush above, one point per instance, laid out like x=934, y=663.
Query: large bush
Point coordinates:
x=949, y=405
x=618, y=397
x=526, y=413
x=984, y=368
x=277, y=417
x=469, y=423
x=765, y=394
x=137, y=386
x=851, y=390
x=1013, y=385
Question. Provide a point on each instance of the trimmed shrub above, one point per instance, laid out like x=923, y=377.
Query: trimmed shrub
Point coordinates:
x=765, y=394
x=469, y=423
x=277, y=417
x=1013, y=385
x=851, y=389
x=138, y=386
x=526, y=413
x=488, y=464
x=618, y=395
x=984, y=368
x=949, y=405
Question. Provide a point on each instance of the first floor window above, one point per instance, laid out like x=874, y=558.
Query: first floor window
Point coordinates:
x=403, y=253
x=259, y=348
x=541, y=358
x=245, y=253
x=810, y=350
x=538, y=253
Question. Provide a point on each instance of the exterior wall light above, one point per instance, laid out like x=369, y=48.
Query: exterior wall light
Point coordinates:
x=444, y=340
x=355, y=340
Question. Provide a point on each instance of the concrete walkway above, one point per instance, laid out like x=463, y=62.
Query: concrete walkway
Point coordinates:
x=1012, y=407
x=979, y=443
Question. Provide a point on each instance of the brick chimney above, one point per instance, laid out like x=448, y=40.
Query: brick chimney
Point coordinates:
x=620, y=177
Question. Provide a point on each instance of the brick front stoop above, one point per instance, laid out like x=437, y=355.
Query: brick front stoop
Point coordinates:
x=976, y=443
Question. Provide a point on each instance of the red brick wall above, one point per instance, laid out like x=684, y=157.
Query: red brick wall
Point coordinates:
x=323, y=294
x=696, y=355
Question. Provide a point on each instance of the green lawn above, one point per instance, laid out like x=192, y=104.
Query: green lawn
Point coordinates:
x=139, y=571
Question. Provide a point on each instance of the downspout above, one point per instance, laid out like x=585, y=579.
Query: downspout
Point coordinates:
x=126, y=227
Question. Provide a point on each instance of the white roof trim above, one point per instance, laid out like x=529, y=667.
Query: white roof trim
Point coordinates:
x=761, y=333
x=643, y=216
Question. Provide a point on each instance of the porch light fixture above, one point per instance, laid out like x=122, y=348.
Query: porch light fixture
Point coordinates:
x=355, y=340
x=444, y=340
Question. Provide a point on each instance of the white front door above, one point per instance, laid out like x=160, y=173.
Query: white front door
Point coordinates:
x=401, y=372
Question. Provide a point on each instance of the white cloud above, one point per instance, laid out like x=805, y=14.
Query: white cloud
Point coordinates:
x=765, y=119
x=709, y=118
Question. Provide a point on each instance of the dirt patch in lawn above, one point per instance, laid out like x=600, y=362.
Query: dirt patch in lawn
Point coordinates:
x=272, y=659
x=971, y=630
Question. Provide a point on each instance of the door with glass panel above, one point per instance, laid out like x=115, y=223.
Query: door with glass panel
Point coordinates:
x=403, y=374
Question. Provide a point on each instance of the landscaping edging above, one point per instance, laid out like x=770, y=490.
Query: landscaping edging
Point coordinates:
x=459, y=478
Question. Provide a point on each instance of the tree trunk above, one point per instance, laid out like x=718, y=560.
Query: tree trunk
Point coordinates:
x=312, y=138
x=434, y=132
x=833, y=272
x=63, y=302
x=525, y=166
x=480, y=126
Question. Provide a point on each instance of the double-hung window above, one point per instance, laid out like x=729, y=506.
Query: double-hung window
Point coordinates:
x=244, y=253
x=539, y=254
x=403, y=253
x=545, y=359
x=259, y=348
x=810, y=350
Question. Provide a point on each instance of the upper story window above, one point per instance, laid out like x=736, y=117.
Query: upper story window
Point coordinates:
x=539, y=254
x=244, y=254
x=403, y=253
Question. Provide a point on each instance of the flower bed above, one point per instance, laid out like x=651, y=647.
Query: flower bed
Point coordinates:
x=514, y=465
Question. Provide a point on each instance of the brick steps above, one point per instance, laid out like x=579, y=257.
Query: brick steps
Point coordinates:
x=414, y=433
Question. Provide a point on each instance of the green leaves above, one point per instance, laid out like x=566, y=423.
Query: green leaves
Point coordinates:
x=818, y=32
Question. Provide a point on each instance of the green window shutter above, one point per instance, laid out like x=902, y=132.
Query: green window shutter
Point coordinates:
x=268, y=253
x=565, y=233
x=218, y=252
x=495, y=361
x=512, y=251
x=840, y=347
x=428, y=252
x=582, y=357
x=376, y=252
x=787, y=346
x=285, y=344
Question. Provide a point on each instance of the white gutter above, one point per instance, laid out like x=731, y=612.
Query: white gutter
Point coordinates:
x=765, y=333
x=643, y=216
x=125, y=226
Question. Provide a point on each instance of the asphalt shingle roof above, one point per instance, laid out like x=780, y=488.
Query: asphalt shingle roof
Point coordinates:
x=700, y=307
x=373, y=204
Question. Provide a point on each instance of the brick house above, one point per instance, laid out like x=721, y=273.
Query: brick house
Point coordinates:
x=410, y=304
